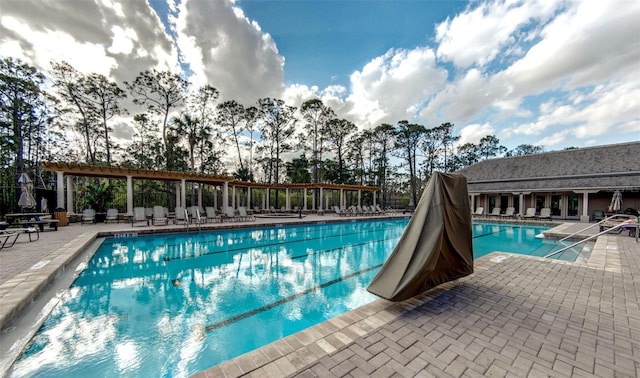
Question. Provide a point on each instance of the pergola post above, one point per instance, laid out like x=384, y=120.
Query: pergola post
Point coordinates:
x=225, y=196
x=129, y=196
x=287, y=201
x=342, y=204
x=60, y=188
x=178, y=201
x=70, y=195
x=304, y=198
x=249, y=197
x=183, y=192
x=200, y=195
x=320, y=204
x=313, y=199
x=373, y=194
x=215, y=197
x=264, y=201
x=359, y=197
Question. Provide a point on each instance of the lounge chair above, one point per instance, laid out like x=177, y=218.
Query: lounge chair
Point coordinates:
x=139, y=215
x=495, y=212
x=339, y=212
x=242, y=213
x=195, y=215
x=545, y=213
x=8, y=237
x=508, y=213
x=159, y=216
x=181, y=215
x=211, y=214
x=479, y=212
x=88, y=215
x=229, y=214
x=112, y=216
x=530, y=213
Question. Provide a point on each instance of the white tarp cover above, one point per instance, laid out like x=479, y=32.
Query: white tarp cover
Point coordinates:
x=436, y=247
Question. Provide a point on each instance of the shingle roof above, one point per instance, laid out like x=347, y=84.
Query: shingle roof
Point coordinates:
x=615, y=166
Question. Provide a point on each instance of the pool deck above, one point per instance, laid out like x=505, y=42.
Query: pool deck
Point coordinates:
x=514, y=316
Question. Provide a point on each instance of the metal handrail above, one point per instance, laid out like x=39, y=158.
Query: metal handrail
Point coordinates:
x=186, y=219
x=593, y=225
x=623, y=224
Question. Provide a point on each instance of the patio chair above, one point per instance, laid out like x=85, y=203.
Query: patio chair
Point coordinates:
x=242, y=213
x=139, y=215
x=530, y=213
x=88, y=215
x=159, y=216
x=8, y=237
x=597, y=215
x=479, y=212
x=181, y=216
x=339, y=212
x=509, y=212
x=495, y=212
x=112, y=216
x=195, y=215
x=229, y=214
x=545, y=213
x=211, y=214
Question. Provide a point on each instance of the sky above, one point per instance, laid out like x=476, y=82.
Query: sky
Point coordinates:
x=550, y=73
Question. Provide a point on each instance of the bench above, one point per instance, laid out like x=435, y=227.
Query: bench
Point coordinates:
x=53, y=223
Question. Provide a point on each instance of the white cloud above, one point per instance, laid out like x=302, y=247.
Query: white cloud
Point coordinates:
x=474, y=132
x=228, y=51
x=477, y=36
x=390, y=87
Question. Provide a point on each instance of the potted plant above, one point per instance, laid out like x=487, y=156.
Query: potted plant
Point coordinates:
x=99, y=196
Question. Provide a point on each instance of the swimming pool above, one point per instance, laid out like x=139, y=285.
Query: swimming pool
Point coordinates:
x=173, y=305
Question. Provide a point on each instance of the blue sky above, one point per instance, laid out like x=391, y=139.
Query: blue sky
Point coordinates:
x=552, y=73
x=324, y=42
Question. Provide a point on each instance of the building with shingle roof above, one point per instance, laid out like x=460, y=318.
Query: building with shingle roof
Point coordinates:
x=572, y=183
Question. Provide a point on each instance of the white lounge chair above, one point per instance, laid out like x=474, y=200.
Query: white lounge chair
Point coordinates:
x=88, y=215
x=181, y=216
x=139, y=215
x=509, y=212
x=112, y=216
x=242, y=213
x=211, y=214
x=495, y=212
x=545, y=213
x=530, y=213
x=479, y=212
x=229, y=214
x=159, y=216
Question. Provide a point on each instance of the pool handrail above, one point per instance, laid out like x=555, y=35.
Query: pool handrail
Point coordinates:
x=593, y=225
x=622, y=224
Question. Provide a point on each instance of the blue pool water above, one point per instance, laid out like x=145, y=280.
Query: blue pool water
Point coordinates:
x=175, y=304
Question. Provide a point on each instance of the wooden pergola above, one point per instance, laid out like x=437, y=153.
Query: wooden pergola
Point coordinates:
x=70, y=170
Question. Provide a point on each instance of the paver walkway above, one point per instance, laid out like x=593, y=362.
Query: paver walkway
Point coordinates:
x=516, y=316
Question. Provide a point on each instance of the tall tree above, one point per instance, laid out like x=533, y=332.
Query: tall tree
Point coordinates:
x=408, y=138
x=145, y=151
x=298, y=170
x=202, y=103
x=316, y=115
x=161, y=92
x=277, y=127
x=105, y=96
x=72, y=88
x=490, y=147
x=232, y=117
x=525, y=149
x=384, y=135
x=338, y=133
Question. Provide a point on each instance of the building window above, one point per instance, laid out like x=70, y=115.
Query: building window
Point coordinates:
x=556, y=205
x=572, y=202
x=539, y=202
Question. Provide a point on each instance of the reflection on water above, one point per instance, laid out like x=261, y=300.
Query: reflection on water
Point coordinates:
x=173, y=305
